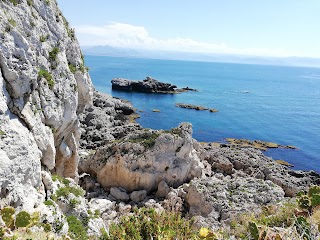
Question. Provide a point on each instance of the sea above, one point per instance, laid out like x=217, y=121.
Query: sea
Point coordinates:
x=257, y=102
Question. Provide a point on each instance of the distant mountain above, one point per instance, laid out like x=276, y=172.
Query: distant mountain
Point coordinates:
x=206, y=57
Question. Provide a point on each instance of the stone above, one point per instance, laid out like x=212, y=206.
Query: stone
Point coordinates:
x=163, y=189
x=119, y=193
x=138, y=196
x=144, y=158
x=103, y=205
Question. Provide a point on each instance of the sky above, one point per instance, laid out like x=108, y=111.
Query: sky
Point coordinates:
x=279, y=28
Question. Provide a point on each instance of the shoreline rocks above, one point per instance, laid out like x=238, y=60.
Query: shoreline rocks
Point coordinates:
x=195, y=107
x=257, y=144
x=148, y=85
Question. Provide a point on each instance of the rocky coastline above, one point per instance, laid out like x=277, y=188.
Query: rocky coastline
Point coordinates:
x=73, y=161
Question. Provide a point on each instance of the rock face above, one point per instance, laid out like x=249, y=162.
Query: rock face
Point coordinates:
x=40, y=97
x=149, y=85
x=106, y=120
x=144, y=158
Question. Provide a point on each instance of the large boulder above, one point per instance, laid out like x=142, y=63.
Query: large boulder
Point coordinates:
x=144, y=158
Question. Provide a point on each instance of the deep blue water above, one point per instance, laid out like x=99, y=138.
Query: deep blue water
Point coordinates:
x=257, y=102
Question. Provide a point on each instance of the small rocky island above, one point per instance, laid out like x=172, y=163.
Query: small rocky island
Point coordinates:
x=148, y=85
x=195, y=107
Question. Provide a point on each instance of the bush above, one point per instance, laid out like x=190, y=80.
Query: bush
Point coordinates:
x=148, y=224
x=60, y=179
x=22, y=219
x=76, y=228
x=7, y=216
x=45, y=74
x=72, y=68
x=53, y=54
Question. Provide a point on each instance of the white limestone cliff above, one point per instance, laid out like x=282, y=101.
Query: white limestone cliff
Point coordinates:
x=43, y=86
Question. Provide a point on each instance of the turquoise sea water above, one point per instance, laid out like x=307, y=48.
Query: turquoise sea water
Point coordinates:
x=257, y=102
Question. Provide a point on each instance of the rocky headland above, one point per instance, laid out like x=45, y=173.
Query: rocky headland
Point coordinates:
x=148, y=85
x=73, y=161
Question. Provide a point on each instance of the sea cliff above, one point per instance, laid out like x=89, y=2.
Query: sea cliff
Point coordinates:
x=73, y=160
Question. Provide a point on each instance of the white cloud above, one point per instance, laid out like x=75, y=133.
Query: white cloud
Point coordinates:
x=129, y=36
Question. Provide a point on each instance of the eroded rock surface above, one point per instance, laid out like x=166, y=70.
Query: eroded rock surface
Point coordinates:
x=39, y=97
x=144, y=158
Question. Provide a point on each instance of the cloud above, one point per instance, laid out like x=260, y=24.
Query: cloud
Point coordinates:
x=130, y=36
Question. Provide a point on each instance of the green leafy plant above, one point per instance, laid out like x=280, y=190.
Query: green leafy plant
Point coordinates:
x=43, y=38
x=7, y=214
x=76, y=228
x=73, y=203
x=45, y=74
x=53, y=54
x=60, y=179
x=12, y=22
x=22, y=219
x=310, y=200
x=72, y=68
x=48, y=203
x=148, y=224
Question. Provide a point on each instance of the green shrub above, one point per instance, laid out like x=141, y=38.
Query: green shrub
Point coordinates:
x=53, y=54
x=43, y=38
x=12, y=22
x=65, y=191
x=76, y=228
x=148, y=224
x=310, y=200
x=60, y=179
x=30, y=2
x=44, y=73
x=146, y=141
x=22, y=219
x=72, y=68
x=46, y=227
x=48, y=203
x=73, y=203
x=7, y=216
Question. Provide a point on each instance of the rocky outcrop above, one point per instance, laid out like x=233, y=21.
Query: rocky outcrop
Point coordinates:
x=149, y=85
x=250, y=162
x=219, y=199
x=195, y=107
x=43, y=86
x=144, y=158
x=106, y=120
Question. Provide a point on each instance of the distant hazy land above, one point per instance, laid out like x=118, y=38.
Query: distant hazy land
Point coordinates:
x=205, y=57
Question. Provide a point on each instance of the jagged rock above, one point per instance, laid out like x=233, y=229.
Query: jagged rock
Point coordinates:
x=148, y=85
x=145, y=158
x=138, y=196
x=39, y=98
x=106, y=120
x=217, y=200
x=119, y=194
x=250, y=162
x=163, y=189
x=103, y=205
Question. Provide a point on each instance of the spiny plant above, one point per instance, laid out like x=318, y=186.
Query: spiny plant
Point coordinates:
x=310, y=200
x=7, y=214
x=22, y=219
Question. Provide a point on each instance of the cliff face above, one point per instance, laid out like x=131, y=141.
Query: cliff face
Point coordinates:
x=43, y=86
